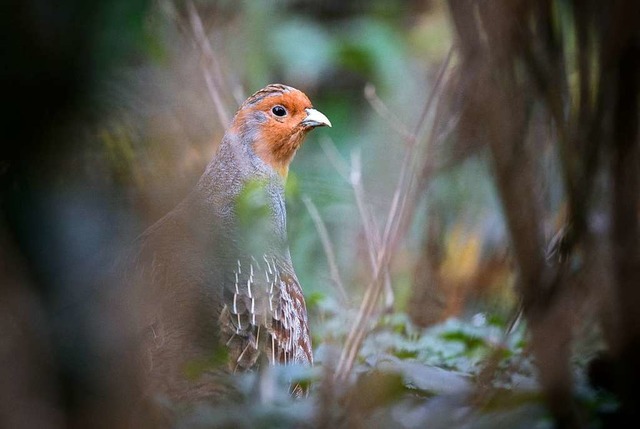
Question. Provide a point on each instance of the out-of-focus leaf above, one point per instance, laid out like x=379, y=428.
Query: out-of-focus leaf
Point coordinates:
x=427, y=378
x=376, y=389
x=462, y=255
x=471, y=342
x=303, y=48
x=195, y=368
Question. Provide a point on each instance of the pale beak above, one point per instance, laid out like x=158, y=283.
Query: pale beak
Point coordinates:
x=315, y=119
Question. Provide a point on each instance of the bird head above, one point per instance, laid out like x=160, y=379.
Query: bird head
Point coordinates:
x=274, y=122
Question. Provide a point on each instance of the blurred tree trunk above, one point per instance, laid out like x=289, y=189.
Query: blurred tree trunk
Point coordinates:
x=517, y=58
x=624, y=62
x=63, y=353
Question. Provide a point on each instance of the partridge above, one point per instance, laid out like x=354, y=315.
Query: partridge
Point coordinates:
x=215, y=276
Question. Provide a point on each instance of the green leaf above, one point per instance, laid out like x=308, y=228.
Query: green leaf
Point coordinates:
x=426, y=377
x=252, y=204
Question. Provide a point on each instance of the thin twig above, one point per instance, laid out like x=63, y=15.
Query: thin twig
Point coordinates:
x=436, y=87
x=404, y=190
x=408, y=174
x=358, y=332
x=353, y=176
x=356, y=182
x=381, y=109
x=326, y=244
x=209, y=58
x=330, y=150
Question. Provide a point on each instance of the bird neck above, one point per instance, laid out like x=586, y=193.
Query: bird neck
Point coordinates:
x=279, y=150
x=245, y=198
x=273, y=145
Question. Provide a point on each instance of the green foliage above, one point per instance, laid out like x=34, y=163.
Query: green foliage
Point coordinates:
x=255, y=214
x=253, y=205
x=403, y=373
x=263, y=400
x=196, y=368
x=303, y=47
x=455, y=345
x=378, y=388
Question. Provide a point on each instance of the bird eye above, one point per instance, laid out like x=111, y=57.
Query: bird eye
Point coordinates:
x=279, y=111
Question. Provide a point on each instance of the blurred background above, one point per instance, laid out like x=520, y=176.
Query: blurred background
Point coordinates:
x=465, y=213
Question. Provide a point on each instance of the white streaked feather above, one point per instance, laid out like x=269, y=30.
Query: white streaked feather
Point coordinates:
x=267, y=262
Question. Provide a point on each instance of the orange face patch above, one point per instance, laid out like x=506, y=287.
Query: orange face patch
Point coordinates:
x=281, y=130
